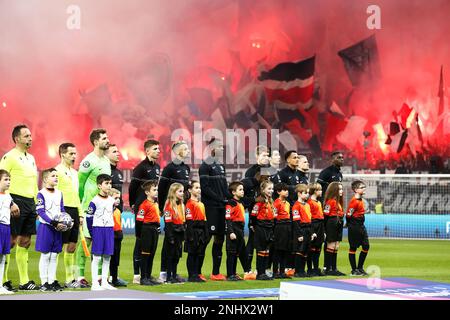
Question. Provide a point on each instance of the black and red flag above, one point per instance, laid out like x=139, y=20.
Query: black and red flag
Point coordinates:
x=290, y=83
x=361, y=61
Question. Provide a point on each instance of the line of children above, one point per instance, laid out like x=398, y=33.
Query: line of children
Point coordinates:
x=271, y=221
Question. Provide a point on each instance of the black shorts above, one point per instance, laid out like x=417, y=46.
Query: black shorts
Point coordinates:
x=25, y=224
x=215, y=217
x=263, y=237
x=305, y=232
x=236, y=246
x=333, y=229
x=72, y=234
x=282, y=236
x=357, y=236
x=174, y=250
x=317, y=227
x=198, y=243
x=149, y=238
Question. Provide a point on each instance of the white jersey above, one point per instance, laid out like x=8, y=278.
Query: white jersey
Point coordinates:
x=49, y=205
x=101, y=209
x=5, y=208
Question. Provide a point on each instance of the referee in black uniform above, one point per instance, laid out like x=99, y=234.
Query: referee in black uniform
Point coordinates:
x=147, y=170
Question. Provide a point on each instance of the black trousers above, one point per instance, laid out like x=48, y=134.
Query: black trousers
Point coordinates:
x=115, y=259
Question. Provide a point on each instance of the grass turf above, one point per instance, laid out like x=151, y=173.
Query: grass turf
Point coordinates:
x=421, y=259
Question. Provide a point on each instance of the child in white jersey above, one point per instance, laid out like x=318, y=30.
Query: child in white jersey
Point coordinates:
x=49, y=208
x=100, y=223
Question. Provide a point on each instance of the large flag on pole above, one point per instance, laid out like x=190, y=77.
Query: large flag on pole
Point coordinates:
x=291, y=83
x=361, y=61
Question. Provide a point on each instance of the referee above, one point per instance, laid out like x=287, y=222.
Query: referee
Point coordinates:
x=24, y=176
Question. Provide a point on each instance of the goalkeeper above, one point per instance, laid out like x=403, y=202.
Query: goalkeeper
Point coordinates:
x=49, y=208
x=91, y=166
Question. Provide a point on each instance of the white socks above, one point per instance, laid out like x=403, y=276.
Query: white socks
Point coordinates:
x=52, y=267
x=105, y=268
x=2, y=267
x=94, y=269
x=47, y=267
x=44, y=262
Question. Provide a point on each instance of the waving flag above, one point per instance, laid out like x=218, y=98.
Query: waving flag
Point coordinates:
x=361, y=61
x=291, y=83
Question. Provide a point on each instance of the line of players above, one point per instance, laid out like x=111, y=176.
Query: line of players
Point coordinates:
x=216, y=196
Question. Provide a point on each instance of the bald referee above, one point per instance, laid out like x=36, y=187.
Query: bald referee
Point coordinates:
x=24, y=177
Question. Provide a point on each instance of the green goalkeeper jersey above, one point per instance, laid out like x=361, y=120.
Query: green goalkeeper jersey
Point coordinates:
x=91, y=166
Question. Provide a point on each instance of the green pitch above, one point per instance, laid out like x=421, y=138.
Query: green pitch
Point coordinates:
x=421, y=259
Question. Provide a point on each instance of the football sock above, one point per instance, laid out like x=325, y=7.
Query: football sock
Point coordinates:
x=69, y=260
x=352, y=258
x=362, y=258
x=2, y=267
x=217, y=257
x=94, y=268
x=5, y=276
x=52, y=267
x=44, y=263
x=143, y=261
x=105, y=268
x=22, y=264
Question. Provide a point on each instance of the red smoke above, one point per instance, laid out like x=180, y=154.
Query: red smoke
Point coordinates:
x=148, y=53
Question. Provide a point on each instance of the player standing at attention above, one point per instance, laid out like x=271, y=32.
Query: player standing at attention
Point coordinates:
x=24, y=178
x=196, y=232
x=50, y=206
x=5, y=229
x=317, y=227
x=262, y=219
x=252, y=182
x=282, y=231
x=68, y=185
x=94, y=164
x=357, y=233
x=147, y=231
x=334, y=225
x=215, y=194
x=100, y=223
x=235, y=221
x=146, y=170
x=174, y=230
x=176, y=171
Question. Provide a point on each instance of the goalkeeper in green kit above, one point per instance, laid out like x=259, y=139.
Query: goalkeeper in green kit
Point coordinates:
x=91, y=166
